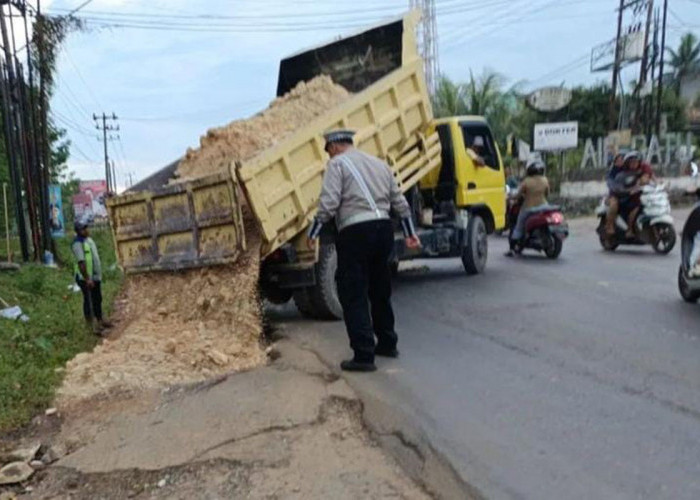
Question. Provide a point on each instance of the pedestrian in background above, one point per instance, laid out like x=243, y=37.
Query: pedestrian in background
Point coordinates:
x=358, y=192
x=88, y=276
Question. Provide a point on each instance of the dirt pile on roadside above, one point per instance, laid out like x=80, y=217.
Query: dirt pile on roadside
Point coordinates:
x=243, y=139
x=176, y=328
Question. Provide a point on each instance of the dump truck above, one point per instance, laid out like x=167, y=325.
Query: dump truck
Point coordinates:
x=455, y=202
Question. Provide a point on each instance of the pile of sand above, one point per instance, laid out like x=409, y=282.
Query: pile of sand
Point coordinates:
x=243, y=139
x=176, y=328
x=189, y=326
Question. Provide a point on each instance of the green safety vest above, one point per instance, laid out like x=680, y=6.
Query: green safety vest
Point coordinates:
x=87, y=249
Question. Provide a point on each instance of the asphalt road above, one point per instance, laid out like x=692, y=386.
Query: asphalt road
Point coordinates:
x=577, y=378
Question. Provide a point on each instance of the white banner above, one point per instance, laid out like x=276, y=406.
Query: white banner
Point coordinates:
x=556, y=136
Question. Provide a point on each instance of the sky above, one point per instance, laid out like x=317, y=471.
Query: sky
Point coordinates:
x=168, y=85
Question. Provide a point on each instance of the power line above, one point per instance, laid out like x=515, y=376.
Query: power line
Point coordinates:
x=85, y=3
x=82, y=79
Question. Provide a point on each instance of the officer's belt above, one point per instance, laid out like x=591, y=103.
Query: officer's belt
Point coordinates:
x=363, y=217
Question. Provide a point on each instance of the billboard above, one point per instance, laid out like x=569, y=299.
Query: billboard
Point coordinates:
x=631, y=50
x=556, y=136
x=89, y=203
x=56, y=220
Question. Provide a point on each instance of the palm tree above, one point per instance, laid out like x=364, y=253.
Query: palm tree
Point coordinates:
x=482, y=95
x=685, y=61
x=448, y=99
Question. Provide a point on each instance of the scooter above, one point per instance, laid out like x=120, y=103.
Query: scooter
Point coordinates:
x=654, y=224
x=688, y=282
x=545, y=230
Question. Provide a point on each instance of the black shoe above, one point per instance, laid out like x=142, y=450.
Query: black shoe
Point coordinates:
x=509, y=253
x=350, y=365
x=387, y=353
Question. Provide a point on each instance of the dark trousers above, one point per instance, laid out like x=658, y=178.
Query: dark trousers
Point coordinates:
x=92, y=300
x=364, y=286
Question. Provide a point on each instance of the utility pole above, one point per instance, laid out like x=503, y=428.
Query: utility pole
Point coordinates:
x=428, y=41
x=105, y=128
x=11, y=131
x=643, y=73
x=660, y=89
x=612, y=118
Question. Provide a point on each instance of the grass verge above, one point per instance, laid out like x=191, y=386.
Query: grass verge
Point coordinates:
x=31, y=352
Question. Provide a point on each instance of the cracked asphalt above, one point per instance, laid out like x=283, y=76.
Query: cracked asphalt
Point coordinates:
x=577, y=378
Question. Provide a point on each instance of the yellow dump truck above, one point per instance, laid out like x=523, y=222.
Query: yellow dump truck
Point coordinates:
x=455, y=202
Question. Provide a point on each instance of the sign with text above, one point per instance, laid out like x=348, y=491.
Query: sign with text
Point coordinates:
x=556, y=136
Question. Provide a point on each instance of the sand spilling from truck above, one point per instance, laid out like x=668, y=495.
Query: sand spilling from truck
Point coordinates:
x=176, y=328
x=243, y=139
x=189, y=326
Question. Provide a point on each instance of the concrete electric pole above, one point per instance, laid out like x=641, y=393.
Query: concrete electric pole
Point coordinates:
x=105, y=128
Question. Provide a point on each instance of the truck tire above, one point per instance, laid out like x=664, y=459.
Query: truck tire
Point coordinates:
x=302, y=299
x=475, y=252
x=324, y=295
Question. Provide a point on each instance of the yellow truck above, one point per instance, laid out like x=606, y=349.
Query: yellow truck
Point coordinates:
x=456, y=203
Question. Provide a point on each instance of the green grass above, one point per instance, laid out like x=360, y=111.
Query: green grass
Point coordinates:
x=31, y=352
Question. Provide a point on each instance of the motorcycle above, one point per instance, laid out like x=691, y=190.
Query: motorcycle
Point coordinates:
x=689, y=282
x=545, y=230
x=654, y=224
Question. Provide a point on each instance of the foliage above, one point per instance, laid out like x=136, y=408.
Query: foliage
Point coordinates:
x=685, y=60
x=48, y=35
x=31, y=352
x=483, y=95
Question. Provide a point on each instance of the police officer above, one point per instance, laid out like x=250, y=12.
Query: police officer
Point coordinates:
x=358, y=192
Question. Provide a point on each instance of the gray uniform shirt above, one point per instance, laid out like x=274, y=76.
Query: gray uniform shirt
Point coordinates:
x=79, y=253
x=342, y=195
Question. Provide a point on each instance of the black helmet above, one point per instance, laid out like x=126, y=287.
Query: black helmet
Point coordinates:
x=535, y=167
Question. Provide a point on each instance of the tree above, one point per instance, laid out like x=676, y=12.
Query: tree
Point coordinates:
x=483, y=95
x=685, y=60
x=448, y=99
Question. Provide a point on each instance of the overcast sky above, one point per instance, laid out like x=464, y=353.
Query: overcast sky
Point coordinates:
x=167, y=86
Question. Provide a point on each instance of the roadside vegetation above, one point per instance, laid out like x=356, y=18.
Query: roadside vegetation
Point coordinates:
x=33, y=353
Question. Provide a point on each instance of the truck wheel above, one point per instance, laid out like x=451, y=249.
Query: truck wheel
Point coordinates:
x=302, y=299
x=475, y=252
x=324, y=295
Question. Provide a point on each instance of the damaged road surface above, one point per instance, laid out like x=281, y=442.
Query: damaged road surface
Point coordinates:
x=288, y=430
x=542, y=380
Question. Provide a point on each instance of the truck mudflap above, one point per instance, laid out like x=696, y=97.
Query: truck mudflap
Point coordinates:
x=189, y=224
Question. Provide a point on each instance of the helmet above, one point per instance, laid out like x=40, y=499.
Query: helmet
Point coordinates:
x=535, y=167
x=633, y=155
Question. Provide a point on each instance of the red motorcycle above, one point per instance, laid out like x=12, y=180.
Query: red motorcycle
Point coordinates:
x=545, y=230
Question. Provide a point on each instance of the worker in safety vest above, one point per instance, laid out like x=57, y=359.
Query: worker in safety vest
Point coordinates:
x=358, y=192
x=88, y=275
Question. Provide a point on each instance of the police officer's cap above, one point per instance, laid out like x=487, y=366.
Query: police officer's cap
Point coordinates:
x=340, y=135
x=80, y=224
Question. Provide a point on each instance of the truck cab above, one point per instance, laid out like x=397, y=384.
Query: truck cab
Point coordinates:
x=460, y=183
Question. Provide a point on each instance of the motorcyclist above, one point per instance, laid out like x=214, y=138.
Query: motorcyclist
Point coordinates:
x=533, y=192
x=626, y=202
